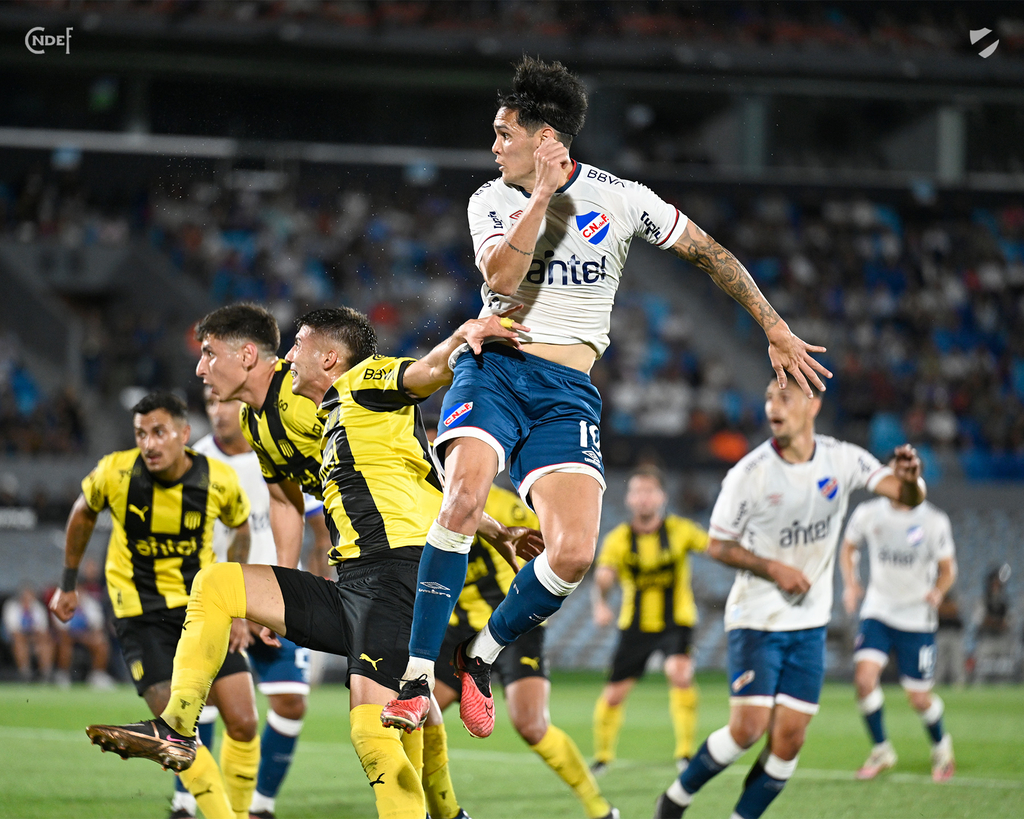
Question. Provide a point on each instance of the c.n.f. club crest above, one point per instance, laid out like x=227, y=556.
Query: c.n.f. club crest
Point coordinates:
x=594, y=226
x=193, y=519
x=829, y=487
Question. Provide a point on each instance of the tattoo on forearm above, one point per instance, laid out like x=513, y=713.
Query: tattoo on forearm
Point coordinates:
x=731, y=276
x=741, y=558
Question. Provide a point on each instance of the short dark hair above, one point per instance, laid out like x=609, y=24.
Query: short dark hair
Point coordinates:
x=242, y=322
x=790, y=380
x=162, y=399
x=649, y=471
x=546, y=94
x=344, y=325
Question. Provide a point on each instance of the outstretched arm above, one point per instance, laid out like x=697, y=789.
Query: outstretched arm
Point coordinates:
x=430, y=373
x=786, y=351
x=81, y=522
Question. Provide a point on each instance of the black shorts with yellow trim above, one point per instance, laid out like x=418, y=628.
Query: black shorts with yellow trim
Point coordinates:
x=365, y=615
x=523, y=658
x=636, y=647
x=148, y=643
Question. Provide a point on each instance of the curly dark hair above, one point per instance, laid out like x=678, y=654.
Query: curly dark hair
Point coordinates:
x=546, y=94
x=345, y=325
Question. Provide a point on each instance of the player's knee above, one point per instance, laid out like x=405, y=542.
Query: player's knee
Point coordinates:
x=788, y=740
x=748, y=729
x=463, y=506
x=570, y=556
x=865, y=680
x=531, y=727
x=289, y=706
x=920, y=701
x=241, y=727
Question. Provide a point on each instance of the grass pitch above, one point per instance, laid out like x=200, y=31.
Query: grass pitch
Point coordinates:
x=49, y=769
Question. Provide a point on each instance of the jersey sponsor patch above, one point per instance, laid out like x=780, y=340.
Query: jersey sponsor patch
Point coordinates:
x=458, y=415
x=829, y=487
x=593, y=226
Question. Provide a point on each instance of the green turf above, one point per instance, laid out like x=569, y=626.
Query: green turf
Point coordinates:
x=48, y=768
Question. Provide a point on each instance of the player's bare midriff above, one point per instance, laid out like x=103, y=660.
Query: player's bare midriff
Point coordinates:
x=578, y=356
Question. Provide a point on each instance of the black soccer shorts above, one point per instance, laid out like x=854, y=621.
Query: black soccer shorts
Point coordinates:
x=365, y=615
x=636, y=647
x=148, y=643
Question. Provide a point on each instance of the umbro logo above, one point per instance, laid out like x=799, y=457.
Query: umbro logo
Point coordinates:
x=430, y=584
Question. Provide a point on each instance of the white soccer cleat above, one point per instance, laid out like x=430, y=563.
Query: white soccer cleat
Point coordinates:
x=881, y=758
x=943, y=764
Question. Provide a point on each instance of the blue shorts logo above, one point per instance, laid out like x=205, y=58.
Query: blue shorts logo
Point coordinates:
x=458, y=415
x=829, y=487
x=594, y=226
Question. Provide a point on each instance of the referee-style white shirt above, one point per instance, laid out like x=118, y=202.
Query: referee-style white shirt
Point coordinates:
x=581, y=249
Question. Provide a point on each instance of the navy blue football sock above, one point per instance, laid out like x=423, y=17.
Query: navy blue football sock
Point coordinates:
x=876, y=726
x=758, y=794
x=701, y=769
x=438, y=586
x=276, y=750
x=527, y=605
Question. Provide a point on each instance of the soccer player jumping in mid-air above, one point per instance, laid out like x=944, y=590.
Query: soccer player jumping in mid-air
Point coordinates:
x=551, y=234
x=777, y=522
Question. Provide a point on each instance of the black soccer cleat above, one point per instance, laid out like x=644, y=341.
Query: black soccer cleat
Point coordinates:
x=151, y=739
x=665, y=808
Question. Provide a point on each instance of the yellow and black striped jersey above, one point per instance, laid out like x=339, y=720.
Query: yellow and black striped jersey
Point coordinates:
x=285, y=434
x=654, y=571
x=489, y=576
x=381, y=491
x=163, y=533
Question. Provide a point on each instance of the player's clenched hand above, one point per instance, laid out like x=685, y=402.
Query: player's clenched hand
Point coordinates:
x=603, y=614
x=240, y=637
x=851, y=597
x=549, y=163
x=789, y=578
x=476, y=331
x=528, y=543
x=789, y=353
x=907, y=466
x=268, y=637
x=64, y=604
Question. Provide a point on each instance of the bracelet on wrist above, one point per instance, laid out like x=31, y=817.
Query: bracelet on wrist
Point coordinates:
x=516, y=249
x=69, y=580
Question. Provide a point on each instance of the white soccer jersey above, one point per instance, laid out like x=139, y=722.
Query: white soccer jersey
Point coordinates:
x=904, y=548
x=247, y=465
x=581, y=249
x=792, y=513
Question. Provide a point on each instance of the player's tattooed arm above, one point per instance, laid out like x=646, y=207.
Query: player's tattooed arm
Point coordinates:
x=788, y=578
x=238, y=549
x=786, y=351
x=725, y=270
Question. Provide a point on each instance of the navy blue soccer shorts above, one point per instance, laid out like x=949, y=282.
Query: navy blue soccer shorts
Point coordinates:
x=283, y=670
x=771, y=668
x=915, y=652
x=538, y=416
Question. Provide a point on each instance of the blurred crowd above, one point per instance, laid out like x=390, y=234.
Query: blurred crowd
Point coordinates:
x=920, y=302
x=899, y=27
